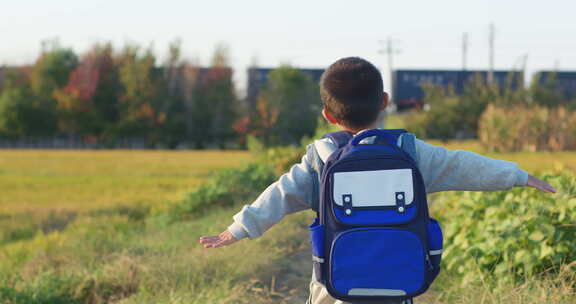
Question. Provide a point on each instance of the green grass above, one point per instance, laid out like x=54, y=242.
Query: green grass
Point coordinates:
x=120, y=251
x=72, y=223
x=35, y=180
x=115, y=250
x=97, y=260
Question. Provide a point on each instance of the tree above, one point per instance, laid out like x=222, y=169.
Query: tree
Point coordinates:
x=215, y=104
x=106, y=95
x=138, y=98
x=50, y=72
x=27, y=107
x=87, y=105
x=53, y=68
x=288, y=107
x=22, y=115
x=174, y=128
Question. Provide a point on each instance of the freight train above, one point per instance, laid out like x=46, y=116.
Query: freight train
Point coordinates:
x=408, y=85
x=408, y=91
x=563, y=82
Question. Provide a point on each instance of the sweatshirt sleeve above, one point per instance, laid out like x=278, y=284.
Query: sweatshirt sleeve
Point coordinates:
x=444, y=169
x=292, y=192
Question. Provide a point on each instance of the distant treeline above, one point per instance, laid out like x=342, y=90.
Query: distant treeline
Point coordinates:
x=106, y=96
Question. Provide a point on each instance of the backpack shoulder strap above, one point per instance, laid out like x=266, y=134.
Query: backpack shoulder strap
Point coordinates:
x=317, y=166
x=408, y=144
x=340, y=138
x=406, y=141
x=317, y=158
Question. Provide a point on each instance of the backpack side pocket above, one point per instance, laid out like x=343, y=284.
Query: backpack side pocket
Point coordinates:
x=317, y=244
x=435, y=246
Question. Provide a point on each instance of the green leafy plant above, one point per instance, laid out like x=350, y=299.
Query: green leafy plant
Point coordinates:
x=509, y=233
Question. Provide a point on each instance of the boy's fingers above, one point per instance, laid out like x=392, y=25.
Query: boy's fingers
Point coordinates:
x=540, y=185
x=546, y=187
x=211, y=244
x=541, y=188
x=216, y=244
x=223, y=243
x=214, y=241
x=209, y=239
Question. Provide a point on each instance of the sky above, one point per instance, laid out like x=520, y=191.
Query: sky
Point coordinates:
x=312, y=34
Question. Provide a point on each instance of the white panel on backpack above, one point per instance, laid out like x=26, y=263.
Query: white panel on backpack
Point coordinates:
x=373, y=188
x=375, y=292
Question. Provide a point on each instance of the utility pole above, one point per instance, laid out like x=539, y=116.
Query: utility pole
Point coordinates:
x=491, y=47
x=390, y=51
x=464, y=50
x=524, y=63
x=556, y=65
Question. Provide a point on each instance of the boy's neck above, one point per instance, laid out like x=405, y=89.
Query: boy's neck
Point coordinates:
x=377, y=124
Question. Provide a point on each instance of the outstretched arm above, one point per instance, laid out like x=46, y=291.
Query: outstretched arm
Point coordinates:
x=291, y=193
x=444, y=169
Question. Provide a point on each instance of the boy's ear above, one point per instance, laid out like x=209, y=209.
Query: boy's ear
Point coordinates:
x=385, y=100
x=329, y=117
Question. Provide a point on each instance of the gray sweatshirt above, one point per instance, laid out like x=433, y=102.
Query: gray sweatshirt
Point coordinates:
x=441, y=169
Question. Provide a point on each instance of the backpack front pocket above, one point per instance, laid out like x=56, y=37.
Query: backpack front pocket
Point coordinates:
x=377, y=262
x=374, y=197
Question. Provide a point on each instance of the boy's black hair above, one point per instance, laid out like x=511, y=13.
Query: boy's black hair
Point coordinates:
x=352, y=92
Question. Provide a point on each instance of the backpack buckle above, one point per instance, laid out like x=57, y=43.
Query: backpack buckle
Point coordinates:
x=400, y=201
x=347, y=203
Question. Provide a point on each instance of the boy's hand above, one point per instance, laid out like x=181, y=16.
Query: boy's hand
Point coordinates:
x=223, y=239
x=540, y=184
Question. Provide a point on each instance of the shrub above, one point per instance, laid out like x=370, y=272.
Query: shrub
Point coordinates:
x=510, y=233
x=225, y=188
x=439, y=122
x=521, y=128
x=455, y=115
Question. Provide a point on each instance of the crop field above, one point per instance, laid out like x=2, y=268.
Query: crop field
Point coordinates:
x=96, y=227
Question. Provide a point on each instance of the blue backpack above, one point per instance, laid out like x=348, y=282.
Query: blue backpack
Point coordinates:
x=373, y=238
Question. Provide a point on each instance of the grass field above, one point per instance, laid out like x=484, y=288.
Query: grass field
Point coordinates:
x=33, y=180
x=77, y=227
x=62, y=242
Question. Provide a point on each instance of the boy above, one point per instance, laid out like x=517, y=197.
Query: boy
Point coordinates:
x=353, y=98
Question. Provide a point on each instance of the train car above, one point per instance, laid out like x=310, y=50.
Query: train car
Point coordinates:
x=408, y=84
x=564, y=82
